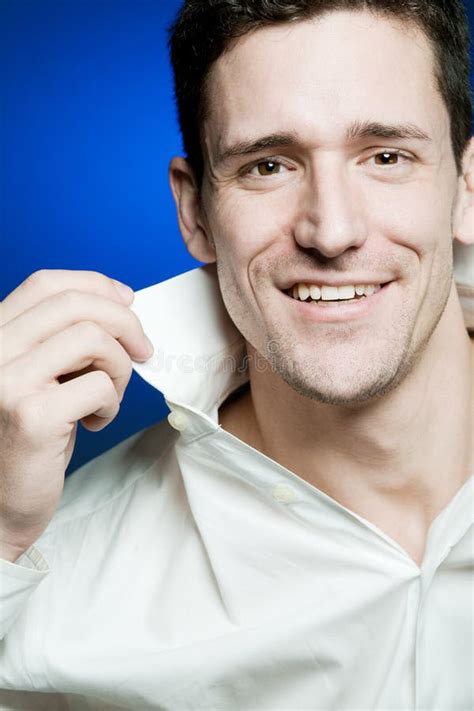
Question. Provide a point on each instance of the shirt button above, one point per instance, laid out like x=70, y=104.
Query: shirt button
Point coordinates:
x=178, y=420
x=283, y=493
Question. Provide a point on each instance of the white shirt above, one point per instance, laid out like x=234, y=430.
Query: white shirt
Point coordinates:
x=184, y=570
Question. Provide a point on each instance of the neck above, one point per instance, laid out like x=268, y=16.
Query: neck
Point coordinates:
x=397, y=461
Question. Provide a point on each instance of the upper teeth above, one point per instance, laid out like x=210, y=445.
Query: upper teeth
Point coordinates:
x=332, y=293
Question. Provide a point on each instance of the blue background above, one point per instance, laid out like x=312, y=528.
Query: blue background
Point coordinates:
x=88, y=129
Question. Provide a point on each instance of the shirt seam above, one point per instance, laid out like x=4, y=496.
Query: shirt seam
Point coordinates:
x=201, y=435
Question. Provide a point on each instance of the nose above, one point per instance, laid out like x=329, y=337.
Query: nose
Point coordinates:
x=330, y=217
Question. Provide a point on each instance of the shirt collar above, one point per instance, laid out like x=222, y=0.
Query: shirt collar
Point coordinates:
x=200, y=356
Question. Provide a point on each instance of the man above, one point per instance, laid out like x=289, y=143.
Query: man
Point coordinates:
x=301, y=538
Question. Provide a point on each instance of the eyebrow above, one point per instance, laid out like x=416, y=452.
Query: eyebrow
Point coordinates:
x=367, y=129
x=356, y=131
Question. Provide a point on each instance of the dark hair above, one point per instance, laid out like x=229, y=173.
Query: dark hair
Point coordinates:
x=205, y=29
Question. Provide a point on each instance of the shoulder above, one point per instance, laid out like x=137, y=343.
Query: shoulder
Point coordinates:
x=111, y=474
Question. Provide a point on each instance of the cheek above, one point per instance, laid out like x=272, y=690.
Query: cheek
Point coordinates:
x=248, y=235
x=417, y=218
x=245, y=230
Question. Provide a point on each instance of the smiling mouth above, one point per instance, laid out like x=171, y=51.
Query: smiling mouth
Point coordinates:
x=322, y=295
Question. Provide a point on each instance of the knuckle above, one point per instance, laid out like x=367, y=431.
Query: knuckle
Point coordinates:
x=93, y=274
x=91, y=333
x=68, y=298
x=10, y=386
x=28, y=415
x=39, y=278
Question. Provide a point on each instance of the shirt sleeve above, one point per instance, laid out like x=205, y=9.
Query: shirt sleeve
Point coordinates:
x=18, y=581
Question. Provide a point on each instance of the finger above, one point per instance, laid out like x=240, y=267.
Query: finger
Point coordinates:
x=46, y=282
x=58, y=312
x=91, y=397
x=77, y=347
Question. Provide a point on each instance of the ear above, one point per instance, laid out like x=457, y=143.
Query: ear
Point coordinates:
x=188, y=205
x=464, y=210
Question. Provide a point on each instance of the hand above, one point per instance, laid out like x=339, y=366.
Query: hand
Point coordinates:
x=66, y=343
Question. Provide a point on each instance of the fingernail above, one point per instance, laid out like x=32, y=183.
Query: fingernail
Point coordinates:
x=124, y=291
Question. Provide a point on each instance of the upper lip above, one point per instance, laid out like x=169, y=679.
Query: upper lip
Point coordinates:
x=327, y=280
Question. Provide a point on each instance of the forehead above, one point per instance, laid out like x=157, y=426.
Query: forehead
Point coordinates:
x=316, y=77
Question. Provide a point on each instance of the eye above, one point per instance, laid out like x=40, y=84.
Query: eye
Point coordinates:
x=389, y=158
x=265, y=168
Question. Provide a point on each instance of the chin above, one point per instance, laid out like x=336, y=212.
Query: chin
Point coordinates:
x=340, y=385
x=349, y=396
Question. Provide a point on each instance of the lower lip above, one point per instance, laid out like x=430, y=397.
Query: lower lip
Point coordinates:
x=337, y=312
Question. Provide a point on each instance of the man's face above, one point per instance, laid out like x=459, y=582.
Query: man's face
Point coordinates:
x=342, y=198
